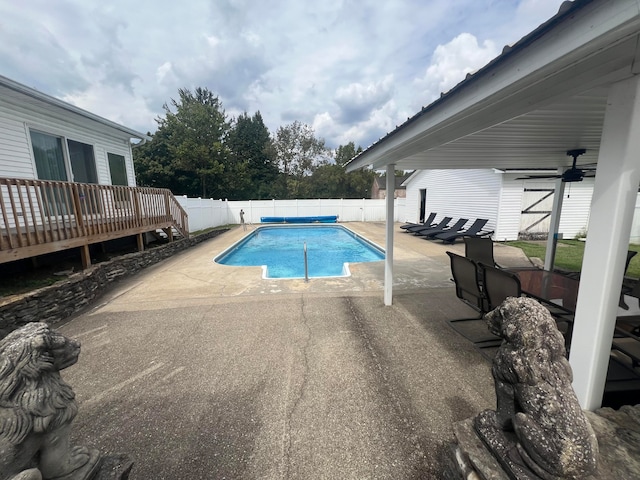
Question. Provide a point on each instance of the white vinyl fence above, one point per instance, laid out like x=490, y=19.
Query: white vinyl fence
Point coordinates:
x=206, y=213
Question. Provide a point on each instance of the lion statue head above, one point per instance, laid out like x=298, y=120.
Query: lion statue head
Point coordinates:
x=36, y=405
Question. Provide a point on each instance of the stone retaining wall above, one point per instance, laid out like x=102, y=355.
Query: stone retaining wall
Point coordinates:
x=58, y=302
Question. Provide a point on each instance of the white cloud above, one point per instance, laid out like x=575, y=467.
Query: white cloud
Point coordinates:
x=212, y=40
x=165, y=71
x=378, y=123
x=352, y=69
x=115, y=103
x=356, y=101
x=451, y=62
x=537, y=10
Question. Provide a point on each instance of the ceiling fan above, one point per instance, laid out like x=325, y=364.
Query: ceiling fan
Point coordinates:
x=573, y=174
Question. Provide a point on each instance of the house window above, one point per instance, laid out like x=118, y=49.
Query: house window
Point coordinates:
x=83, y=163
x=49, y=157
x=118, y=169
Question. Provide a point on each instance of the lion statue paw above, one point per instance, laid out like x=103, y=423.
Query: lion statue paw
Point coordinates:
x=31, y=474
x=37, y=407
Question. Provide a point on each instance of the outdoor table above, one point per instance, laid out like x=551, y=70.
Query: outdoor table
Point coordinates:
x=551, y=288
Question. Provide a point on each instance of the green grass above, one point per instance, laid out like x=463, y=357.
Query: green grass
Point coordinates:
x=207, y=230
x=569, y=254
x=22, y=283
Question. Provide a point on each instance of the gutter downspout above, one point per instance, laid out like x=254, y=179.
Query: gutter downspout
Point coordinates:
x=139, y=144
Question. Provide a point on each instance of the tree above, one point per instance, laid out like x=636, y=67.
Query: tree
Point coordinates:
x=195, y=135
x=153, y=164
x=298, y=153
x=333, y=181
x=344, y=153
x=252, y=167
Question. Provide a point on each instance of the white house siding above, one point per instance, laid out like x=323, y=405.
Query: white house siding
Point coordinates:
x=16, y=157
x=411, y=211
x=489, y=194
x=635, y=226
x=456, y=193
x=576, y=204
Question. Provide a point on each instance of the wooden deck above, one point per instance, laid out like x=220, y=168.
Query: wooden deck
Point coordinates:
x=39, y=217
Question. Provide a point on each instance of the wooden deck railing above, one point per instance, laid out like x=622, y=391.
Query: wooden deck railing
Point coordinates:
x=39, y=216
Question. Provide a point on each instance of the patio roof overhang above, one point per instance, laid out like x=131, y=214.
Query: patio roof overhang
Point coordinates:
x=571, y=83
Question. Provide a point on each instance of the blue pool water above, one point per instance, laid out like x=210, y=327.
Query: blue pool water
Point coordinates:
x=281, y=250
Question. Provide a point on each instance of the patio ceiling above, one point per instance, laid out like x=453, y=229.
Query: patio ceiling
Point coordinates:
x=545, y=95
x=538, y=139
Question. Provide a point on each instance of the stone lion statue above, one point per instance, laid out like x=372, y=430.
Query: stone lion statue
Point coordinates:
x=535, y=399
x=37, y=407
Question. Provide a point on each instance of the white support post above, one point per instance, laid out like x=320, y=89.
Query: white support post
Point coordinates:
x=612, y=208
x=554, y=223
x=388, y=260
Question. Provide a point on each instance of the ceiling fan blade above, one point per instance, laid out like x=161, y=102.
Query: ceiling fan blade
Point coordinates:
x=534, y=177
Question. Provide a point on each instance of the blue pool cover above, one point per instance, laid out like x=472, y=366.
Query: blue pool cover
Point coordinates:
x=316, y=219
x=281, y=250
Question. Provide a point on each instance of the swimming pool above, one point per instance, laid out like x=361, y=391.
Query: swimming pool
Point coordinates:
x=280, y=251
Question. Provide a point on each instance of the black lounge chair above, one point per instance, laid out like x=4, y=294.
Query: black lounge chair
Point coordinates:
x=427, y=223
x=456, y=227
x=475, y=230
x=422, y=230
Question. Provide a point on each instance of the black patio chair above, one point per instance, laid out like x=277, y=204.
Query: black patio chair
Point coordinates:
x=456, y=227
x=474, y=231
x=498, y=285
x=627, y=346
x=469, y=291
x=622, y=386
x=422, y=230
x=427, y=223
x=463, y=271
x=627, y=290
x=480, y=250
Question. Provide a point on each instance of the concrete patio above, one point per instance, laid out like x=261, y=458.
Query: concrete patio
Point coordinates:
x=198, y=370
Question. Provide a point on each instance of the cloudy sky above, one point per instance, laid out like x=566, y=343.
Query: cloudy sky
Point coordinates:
x=352, y=69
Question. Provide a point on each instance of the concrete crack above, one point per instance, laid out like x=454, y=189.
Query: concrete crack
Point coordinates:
x=295, y=391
